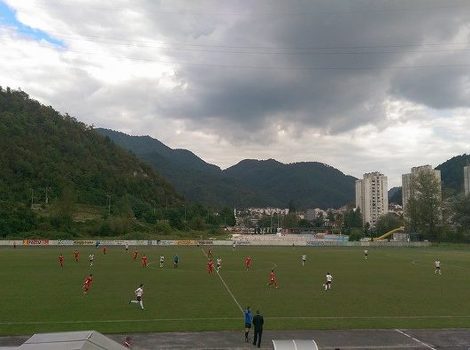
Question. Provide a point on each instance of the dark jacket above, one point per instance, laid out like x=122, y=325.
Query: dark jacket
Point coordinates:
x=258, y=322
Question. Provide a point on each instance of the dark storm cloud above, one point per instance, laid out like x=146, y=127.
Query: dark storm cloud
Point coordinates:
x=249, y=66
x=322, y=64
x=445, y=87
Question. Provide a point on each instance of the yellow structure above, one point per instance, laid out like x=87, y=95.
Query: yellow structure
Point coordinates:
x=389, y=233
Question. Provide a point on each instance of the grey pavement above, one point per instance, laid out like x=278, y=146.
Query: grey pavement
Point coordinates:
x=389, y=339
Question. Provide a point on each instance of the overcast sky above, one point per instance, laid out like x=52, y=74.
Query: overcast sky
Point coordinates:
x=361, y=85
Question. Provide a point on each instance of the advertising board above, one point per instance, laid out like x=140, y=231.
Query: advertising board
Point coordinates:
x=186, y=242
x=35, y=242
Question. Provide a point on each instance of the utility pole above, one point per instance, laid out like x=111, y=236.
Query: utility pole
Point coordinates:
x=109, y=203
x=47, y=198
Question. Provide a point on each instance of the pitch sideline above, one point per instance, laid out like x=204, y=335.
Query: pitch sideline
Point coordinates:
x=197, y=319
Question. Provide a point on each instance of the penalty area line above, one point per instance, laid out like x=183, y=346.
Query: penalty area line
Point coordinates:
x=225, y=285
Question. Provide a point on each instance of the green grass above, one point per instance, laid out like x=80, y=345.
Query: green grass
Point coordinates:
x=394, y=288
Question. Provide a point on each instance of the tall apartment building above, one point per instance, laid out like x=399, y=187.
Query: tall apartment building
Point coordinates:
x=466, y=179
x=372, y=197
x=406, y=180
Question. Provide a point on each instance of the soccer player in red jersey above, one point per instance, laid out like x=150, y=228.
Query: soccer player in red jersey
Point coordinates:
x=272, y=279
x=136, y=253
x=210, y=266
x=248, y=262
x=87, y=283
x=61, y=260
x=76, y=255
x=144, y=260
x=104, y=250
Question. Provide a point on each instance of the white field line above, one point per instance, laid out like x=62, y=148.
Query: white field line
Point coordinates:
x=198, y=319
x=122, y=321
x=230, y=292
x=369, y=317
x=415, y=339
x=226, y=287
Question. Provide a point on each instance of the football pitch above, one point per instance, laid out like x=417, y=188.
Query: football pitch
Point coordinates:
x=393, y=288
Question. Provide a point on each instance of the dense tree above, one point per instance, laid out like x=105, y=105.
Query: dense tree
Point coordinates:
x=266, y=223
x=226, y=214
x=353, y=218
x=15, y=219
x=423, y=210
x=290, y=221
x=461, y=213
x=387, y=222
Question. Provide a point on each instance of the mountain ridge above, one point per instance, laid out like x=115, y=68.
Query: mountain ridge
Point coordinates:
x=250, y=182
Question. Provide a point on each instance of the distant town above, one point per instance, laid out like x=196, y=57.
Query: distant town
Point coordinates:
x=372, y=202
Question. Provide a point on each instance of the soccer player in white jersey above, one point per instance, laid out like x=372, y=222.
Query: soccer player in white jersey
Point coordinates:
x=437, y=267
x=162, y=260
x=329, y=280
x=219, y=264
x=139, y=294
x=304, y=259
x=366, y=253
x=91, y=258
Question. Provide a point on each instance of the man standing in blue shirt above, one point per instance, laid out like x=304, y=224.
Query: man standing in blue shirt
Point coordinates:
x=248, y=320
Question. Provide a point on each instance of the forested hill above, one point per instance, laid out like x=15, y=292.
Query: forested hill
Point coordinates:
x=303, y=184
x=197, y=180
x=249, y=183
x=452, y=173
x=42, y=150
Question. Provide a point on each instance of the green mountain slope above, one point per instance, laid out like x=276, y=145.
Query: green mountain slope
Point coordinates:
x=41, y=150
x=395, y=195
x=452, y=173
x=195, y=179
x=306, y=184
x=249, y=183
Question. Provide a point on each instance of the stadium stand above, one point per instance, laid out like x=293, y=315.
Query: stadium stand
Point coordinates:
x=84, y=340
x=295, y=344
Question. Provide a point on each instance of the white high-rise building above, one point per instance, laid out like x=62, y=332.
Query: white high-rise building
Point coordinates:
x=466, y=179
x=408, y=178
x=372, y=197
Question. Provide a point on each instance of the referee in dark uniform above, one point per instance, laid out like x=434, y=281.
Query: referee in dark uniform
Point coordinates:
x=258, y=322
